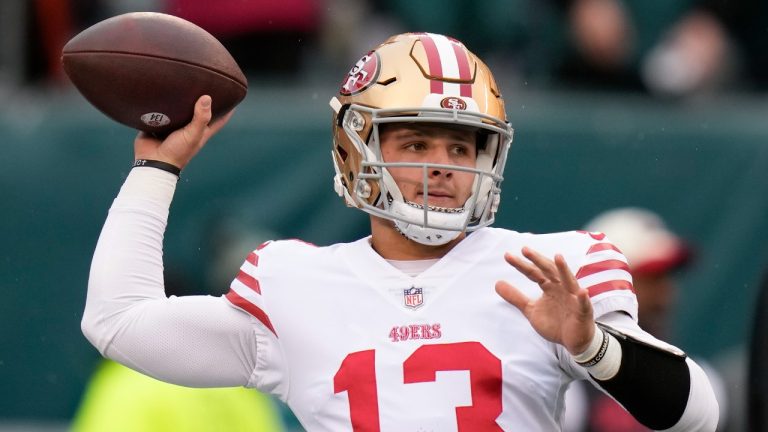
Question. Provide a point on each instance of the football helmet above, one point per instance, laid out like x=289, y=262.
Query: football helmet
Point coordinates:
x=418, y=77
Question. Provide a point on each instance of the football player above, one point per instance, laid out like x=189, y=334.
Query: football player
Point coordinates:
x=401, y=330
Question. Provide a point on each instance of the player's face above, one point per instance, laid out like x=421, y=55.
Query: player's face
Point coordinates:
x=426, y=143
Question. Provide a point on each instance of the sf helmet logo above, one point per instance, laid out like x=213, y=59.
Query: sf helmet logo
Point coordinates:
x=362, y=75
x=453, y=103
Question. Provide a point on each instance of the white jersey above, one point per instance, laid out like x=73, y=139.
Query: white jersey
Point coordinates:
x=349, y=342
x=441, y=351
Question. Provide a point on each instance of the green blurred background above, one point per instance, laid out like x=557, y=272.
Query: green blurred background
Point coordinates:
x=704, y=169
x=701, y=162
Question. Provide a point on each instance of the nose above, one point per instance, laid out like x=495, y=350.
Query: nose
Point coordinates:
x=438, y=172
x=442, y=157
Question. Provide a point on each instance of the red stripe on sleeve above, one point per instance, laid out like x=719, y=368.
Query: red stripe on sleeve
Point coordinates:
x=464, y=73
x=435, y=67
x=249, y=281
x=594, y=235
x=599, y=266
x=252, y=309
x=610, y=286
x=253, y=259
x=597, y=247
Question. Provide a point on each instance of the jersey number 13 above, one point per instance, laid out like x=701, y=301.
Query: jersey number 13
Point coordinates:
x=357, y=377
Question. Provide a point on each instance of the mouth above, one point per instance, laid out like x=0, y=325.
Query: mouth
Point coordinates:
x=432, y=206
x=437, y=198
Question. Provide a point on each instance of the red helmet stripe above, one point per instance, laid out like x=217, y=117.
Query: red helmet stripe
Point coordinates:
x=464, y=72
x=435, y=66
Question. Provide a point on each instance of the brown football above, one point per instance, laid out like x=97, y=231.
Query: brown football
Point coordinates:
x=146, y=70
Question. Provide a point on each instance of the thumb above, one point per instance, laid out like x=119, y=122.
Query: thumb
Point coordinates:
x=202, y=116
x=512, y=295
x=182, y=145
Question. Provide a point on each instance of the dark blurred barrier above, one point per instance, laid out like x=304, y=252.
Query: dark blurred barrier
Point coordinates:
x=705, y=169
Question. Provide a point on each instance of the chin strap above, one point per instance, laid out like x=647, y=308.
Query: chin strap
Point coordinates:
x=425, y=236
x=454, y=218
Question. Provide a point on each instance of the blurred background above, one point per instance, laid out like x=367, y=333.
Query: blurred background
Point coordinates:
x=660, y=105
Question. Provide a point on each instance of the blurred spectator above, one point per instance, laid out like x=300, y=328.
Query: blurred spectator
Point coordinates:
x=757, y=394
x=34, y=33
x=265, y=37
x=118, y=399
x=675, y=48
x=500, y=31
x=497, y=23
x=654, y=254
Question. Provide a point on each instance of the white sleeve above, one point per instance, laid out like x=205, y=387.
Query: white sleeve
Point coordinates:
x=198, y=341
x=702, y=412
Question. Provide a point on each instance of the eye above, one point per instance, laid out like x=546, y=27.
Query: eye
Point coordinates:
x=415, y=146
x=461, y=149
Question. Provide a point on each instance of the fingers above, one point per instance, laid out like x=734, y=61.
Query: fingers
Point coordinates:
x=512, y=295
x=544, y=264
x=217, y=124
x=569, y=280
x=182, y=145
x=529, y=270
x=585, y=303
x=543, y=271
x=540, y=269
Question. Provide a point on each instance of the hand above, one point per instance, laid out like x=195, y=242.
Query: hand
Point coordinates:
x=563, y=313
x=181, y=145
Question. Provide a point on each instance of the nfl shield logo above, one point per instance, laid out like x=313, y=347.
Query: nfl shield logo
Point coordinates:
x=413, y=298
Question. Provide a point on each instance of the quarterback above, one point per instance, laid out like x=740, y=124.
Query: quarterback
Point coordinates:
x=434, y=322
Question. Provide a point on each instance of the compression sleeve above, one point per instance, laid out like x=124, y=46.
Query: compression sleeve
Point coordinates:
x=661, y=389
x=198, y=341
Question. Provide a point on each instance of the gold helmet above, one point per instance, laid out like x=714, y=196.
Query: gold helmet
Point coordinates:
x=418, y=77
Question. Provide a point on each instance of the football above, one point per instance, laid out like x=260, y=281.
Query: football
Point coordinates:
x=146, y=70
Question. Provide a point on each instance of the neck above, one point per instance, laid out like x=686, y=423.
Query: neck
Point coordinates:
x=388, y=242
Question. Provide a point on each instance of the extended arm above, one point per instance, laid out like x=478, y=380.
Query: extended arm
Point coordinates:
x=196, y=340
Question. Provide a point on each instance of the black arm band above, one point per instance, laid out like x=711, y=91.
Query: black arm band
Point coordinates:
x=652, y=384
x=165, y=166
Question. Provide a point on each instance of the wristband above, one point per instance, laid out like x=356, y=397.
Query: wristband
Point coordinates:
x=603, y=357
x=165, y=166
x=595, y=351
